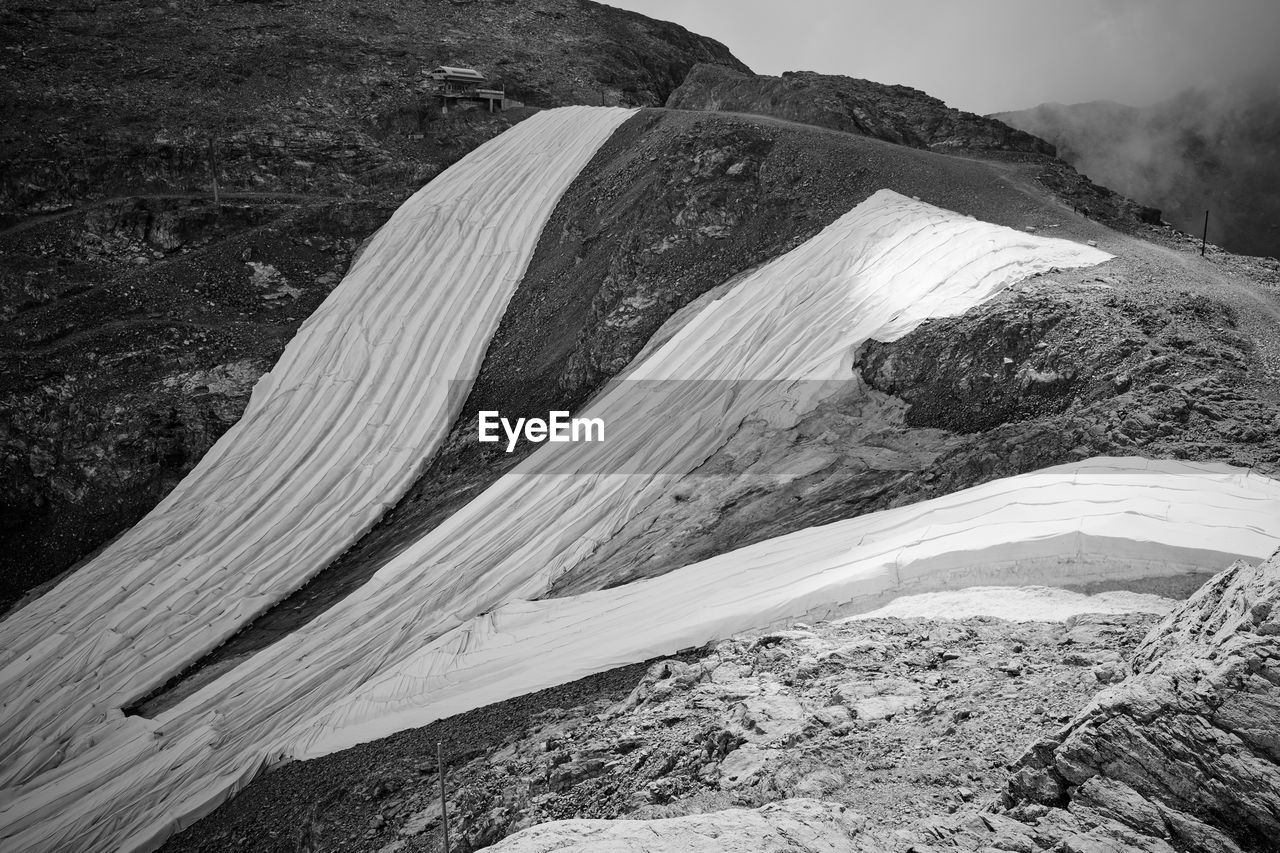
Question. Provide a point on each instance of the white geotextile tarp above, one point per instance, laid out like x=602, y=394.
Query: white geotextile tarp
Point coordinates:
x=874, y=273
x=1112, y=518
x=332, y=436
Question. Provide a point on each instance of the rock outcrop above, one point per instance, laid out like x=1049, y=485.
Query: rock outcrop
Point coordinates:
x=1185, y=751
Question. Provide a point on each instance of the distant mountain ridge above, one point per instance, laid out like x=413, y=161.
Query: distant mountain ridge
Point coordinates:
x=1202, y=149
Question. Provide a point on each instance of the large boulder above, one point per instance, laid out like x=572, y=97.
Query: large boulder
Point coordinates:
x=1187, y=749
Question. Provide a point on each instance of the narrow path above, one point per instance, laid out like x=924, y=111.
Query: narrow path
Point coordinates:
x=82, y=208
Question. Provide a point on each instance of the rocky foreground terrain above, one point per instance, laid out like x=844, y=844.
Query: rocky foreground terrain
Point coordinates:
x=1155, y=354
x=135, y=311
x=1101, y=733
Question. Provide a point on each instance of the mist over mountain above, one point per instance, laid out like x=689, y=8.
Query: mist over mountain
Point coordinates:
x=1215, y=149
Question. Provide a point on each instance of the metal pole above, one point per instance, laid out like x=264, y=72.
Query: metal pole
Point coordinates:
x=213, y=169
x=1204, y=238
x=444, y=805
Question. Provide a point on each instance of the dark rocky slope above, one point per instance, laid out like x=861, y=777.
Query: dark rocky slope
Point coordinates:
x=1202, y=149
x=904, y=116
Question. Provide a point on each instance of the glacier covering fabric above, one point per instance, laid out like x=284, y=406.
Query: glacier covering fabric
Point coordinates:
x=457, y=605
x=794, y=826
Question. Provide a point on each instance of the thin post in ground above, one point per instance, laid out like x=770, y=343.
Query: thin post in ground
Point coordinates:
x=213, y=169
x=444, y=805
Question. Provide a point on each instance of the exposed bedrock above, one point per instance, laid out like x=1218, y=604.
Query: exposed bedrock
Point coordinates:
x=1145, y=367
x=900, y=720
x=1186, y=749
x=1180, y=756
x=306, y=97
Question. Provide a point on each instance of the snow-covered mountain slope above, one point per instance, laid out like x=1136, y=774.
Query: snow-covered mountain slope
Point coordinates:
x=359, y=400
x=877, y=272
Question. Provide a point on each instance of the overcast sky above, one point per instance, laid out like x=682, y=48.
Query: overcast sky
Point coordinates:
x=992, y=55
